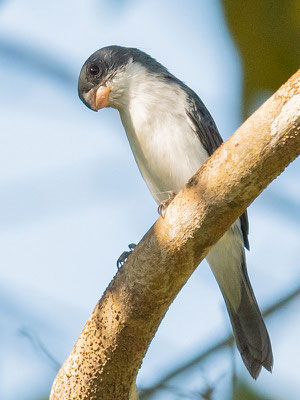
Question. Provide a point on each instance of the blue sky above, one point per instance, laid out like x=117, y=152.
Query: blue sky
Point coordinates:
x=72, y=197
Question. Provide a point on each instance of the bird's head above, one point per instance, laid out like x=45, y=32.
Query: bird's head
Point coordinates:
x=109, y=75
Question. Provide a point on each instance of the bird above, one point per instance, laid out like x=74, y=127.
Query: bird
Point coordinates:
x=171, y=134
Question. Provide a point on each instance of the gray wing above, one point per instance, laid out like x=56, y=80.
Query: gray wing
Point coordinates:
x=207, y=131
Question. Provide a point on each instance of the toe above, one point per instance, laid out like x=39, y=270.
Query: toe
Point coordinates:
x=122, y=259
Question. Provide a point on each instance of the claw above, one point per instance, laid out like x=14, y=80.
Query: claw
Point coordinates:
x=162, y=208
x=124, y=256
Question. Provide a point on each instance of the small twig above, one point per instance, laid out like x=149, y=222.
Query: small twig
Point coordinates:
x=37, y=343
x=146, y=393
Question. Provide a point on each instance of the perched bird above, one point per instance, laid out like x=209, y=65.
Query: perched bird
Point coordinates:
x=171, y=133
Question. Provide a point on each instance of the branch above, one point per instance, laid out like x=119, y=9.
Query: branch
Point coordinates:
x=108, y=354
x=219, y=345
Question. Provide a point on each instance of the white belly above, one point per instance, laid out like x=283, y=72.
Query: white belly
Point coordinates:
x=165, y=148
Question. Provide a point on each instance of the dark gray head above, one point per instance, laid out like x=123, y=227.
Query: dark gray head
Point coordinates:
x=106, y=75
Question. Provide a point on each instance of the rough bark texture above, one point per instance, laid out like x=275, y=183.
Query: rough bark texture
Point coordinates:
x=105, y=360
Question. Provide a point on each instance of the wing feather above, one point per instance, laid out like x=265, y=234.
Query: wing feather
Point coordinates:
x=205, y=128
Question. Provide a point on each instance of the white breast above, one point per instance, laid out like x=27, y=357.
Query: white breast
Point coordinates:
x=165, y=147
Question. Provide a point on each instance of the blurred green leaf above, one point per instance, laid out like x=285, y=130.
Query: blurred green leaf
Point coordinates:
x=245, y=392
x=267, y=34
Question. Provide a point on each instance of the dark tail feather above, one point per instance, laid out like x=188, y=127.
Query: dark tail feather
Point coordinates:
x=227, y=261
x=249, y=329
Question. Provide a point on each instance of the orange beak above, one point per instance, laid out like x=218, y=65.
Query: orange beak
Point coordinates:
x=97, y=98
x=101, y=97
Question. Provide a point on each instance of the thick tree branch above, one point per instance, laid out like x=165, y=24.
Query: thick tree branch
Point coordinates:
x=105, y=360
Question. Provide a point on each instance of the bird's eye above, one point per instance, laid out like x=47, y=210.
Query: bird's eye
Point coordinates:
x=94, y=70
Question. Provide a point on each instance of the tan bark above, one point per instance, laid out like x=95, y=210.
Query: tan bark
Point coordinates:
x=105, y=360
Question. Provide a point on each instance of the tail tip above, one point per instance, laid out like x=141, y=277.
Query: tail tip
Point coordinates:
x=254, y=366
x=254, y=369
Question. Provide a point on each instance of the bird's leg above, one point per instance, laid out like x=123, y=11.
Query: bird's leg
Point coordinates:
x=124, y=256
x=162, y=208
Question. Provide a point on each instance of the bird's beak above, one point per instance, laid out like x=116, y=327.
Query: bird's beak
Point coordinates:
x=97, y=98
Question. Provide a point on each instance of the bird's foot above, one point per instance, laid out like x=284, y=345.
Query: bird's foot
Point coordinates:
x=124, y=256
x=162, y=208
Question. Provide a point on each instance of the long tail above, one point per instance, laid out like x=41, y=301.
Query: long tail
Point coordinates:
x=227, y=261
